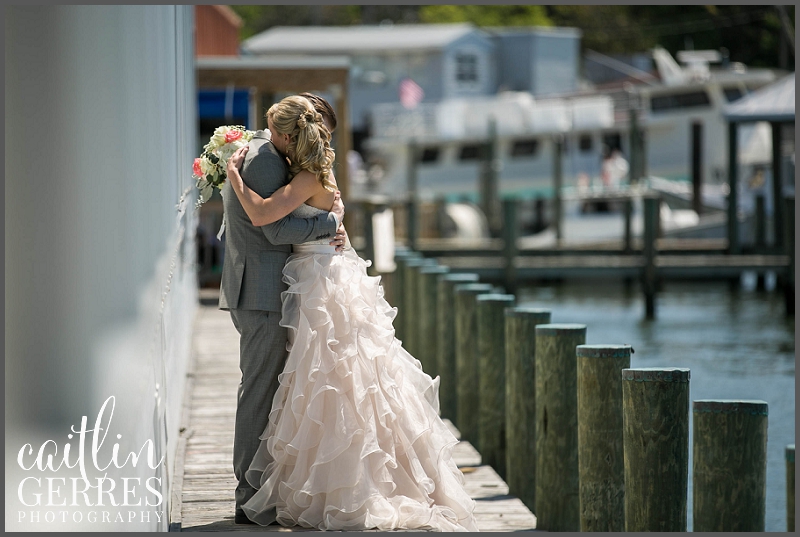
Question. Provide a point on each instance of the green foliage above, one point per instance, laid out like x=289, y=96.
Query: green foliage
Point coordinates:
x=752, y=33
x=517, y=15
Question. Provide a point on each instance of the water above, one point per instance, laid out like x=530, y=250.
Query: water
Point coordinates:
x=737, y=344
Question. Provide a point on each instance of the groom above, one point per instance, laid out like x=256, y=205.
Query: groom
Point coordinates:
x=251, y=290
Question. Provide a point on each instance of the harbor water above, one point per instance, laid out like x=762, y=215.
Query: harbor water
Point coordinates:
x=737, y=343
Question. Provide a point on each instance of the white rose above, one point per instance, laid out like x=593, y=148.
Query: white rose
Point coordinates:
x=218, y=138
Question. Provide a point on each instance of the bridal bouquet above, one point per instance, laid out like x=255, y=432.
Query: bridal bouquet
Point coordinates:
x=209, y=168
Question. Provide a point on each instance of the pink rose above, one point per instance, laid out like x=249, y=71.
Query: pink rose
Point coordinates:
x=196, y=168
x=232, y=136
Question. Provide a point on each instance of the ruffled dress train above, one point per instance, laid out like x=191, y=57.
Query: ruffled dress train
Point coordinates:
x=354, y=439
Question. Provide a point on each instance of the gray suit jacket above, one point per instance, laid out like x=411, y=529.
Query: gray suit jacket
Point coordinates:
x=255, y=256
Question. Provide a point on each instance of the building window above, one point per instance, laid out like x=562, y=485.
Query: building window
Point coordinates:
x=429, y=154
x=466, y=68
x=692, y=99
x=524, y=148
x=470, y=152
x=585, y=143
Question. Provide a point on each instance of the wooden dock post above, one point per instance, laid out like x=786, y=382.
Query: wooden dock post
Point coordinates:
x=446, y=341
x=655, y=417
x=558, y=146
x=790, y=506
x=789, y=249
x=600, y=454
x=510, y=235
x=733, y=194
x=761, y=238
x=729, y=470
x=427, y=298
x=652, y=206
x=401, y=257
x=467, y=404
x=557, y=479
x=492, y=379
x=628, y=210
x=697, y=166
x=412, y=207
x=520, y=396
x=411, y=301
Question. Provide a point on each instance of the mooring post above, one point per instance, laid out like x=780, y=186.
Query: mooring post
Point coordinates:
x=510, y=234
x=697, y=166
x=761, y=237
x=733, y=189
x=655, y=418
x=467, y=395
x=446, y=341
x=789, y=249
x=652, y=205
x=600, y=454
x=557, y=479
x=520, y=396
x=557, y=184
x=428, y=316
x=411, y=301
x=492, y=379
x=729, y=469
x=401, y=257
x=412, y=208
x=628, y=208
x=790, y=506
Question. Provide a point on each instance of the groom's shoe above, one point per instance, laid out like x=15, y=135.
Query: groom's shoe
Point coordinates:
x=241, y=518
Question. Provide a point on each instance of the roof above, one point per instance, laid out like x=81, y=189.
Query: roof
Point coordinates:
x=354, y=39
x=774, y=102
x=551, y=31
x=284, y=62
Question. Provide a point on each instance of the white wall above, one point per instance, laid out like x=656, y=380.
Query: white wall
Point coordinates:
x=100, y=129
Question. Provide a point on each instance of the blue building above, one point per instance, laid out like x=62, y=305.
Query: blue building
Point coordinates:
x=447, y=61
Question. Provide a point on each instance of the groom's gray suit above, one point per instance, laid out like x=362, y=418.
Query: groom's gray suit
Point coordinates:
x=251, y=290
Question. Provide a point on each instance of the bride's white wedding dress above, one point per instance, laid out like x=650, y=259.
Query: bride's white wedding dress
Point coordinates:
x=354, y=439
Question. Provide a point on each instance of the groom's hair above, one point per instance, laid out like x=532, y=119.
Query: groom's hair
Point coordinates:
x=323, y=107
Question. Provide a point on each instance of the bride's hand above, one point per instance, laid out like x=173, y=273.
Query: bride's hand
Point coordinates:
x=235, y=164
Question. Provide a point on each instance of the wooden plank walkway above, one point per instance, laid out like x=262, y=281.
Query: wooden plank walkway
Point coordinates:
x=203, y=482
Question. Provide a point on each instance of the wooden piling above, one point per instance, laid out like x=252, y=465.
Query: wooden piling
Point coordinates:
x=411, y=282
x=628, y=210
x=789, y=249
x=558, y=146
x=446, y=341
x=790, y=506
x=697, y=166
x=520, y=395
x=492, y=379
x=557, y=486
x=401, y=257
x=600, y=454
x=427, y=299
x=761, y=238
x=729, y=470
x=412, y=205
x=655, y=417
x=467, y=403
x=733, y=192
x=510, y=235
x=652, y=205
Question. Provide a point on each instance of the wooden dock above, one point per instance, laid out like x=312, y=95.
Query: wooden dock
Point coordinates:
x=203, y=481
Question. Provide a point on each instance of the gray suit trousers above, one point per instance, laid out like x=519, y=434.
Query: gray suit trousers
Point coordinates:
x=262, y=357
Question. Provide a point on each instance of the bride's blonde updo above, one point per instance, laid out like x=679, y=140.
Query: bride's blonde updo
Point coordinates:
x=309, y=140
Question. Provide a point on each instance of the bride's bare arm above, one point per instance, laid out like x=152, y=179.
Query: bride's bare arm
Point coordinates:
x=283, y=201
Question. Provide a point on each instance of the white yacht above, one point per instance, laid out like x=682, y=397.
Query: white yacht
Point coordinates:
x=449, y=134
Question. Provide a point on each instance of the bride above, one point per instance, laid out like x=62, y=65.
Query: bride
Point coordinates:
x=354, y=439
